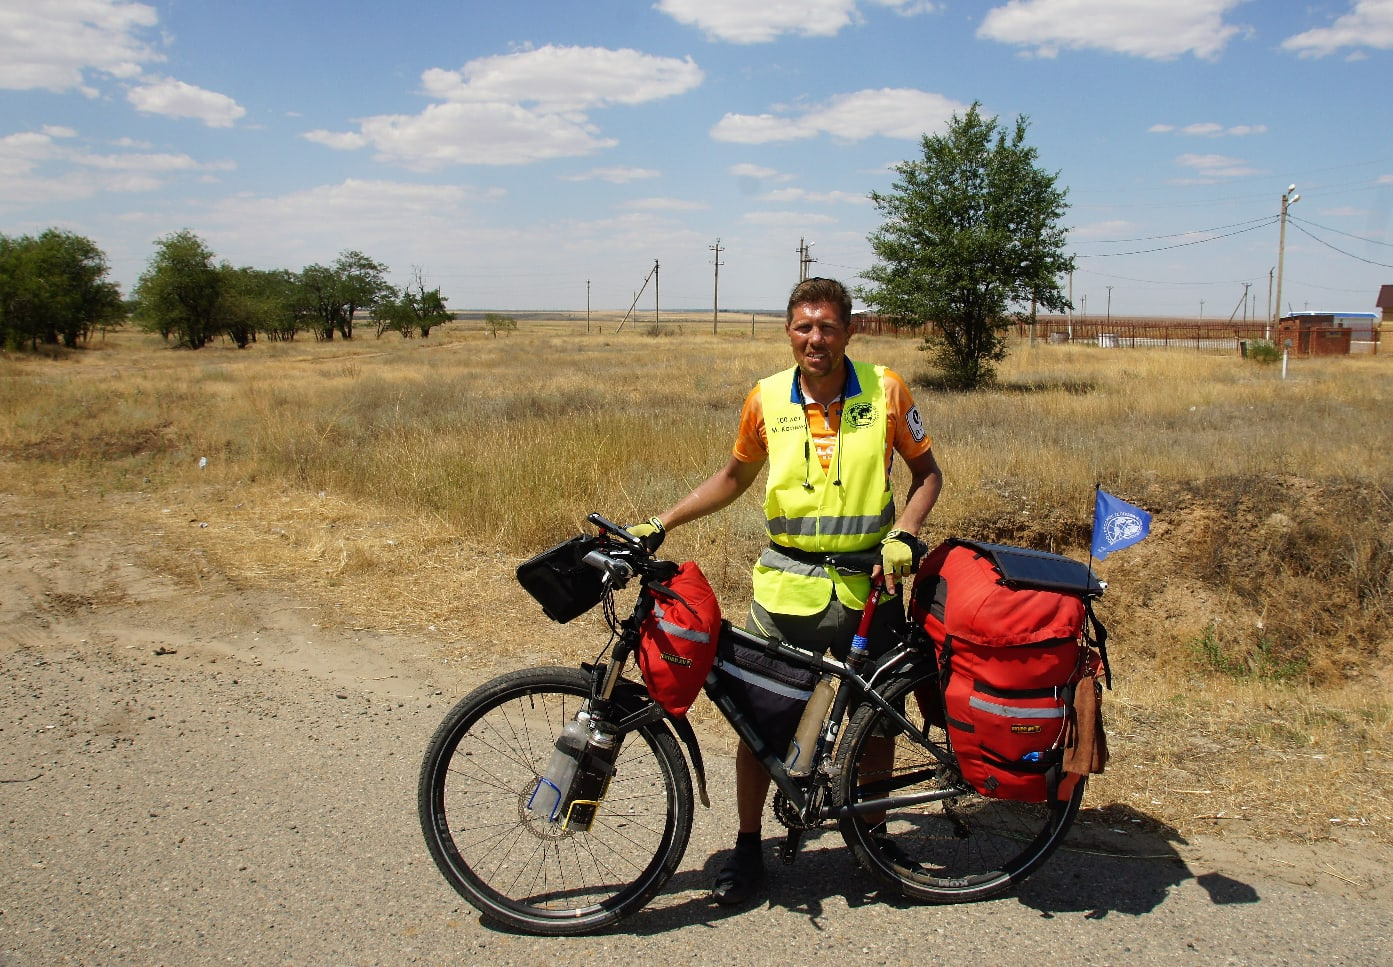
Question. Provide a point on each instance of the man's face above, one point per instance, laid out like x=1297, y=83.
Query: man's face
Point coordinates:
x=819, y=336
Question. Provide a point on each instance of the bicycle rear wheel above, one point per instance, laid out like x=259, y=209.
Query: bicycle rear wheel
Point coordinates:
x=480, y=770
x=961, y=846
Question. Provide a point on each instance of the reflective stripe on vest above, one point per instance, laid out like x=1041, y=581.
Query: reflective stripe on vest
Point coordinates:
x=805, y=511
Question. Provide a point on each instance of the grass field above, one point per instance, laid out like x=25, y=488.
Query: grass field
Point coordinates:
x=397, y=483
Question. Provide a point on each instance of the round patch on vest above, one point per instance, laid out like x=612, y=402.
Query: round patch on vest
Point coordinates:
x=860, y=414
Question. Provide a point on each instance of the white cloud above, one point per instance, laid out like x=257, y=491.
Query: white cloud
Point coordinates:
x=518, y=108
x=890, y=113
x=617, y=175
x=1209, y=129
x=667, y=205
x=38, y=168
x=1212, y=167
x=172, y=98
x=787, y=219
x=746, y=170
x=783, y=195
x=744, y=22
x=51, y=45
x=1153, y=29
x=1101, y=230
x=1368, y=24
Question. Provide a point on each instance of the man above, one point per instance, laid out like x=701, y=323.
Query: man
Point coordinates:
x=829, y=429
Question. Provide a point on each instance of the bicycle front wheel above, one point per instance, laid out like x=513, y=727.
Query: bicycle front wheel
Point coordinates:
x=478, y=775
x=959, y=845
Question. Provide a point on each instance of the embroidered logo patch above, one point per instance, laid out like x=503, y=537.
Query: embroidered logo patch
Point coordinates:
x=860, y=414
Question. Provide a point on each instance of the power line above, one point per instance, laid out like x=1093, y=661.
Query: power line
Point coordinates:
x=1255, y=222
x=1357, y=258
x=1327, y=228
x=1199, y=241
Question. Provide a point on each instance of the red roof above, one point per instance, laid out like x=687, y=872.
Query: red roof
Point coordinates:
x=1385, y=297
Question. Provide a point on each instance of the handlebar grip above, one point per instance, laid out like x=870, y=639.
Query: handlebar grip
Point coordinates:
x=614, y=530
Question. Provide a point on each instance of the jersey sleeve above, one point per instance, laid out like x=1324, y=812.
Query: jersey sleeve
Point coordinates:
x=910, y=438
x=751, y=444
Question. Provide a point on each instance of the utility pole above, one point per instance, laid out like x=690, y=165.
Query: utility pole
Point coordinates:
x=1289, y=198
x=716, y=288
x=1109, y=305
x=1268, y=334
x=805, y=258
x=655, y=294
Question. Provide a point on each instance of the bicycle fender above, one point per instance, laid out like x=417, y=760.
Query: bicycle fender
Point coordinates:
x=689, y=738
x=633, y=699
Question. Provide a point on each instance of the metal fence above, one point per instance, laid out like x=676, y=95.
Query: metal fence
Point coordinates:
x=1147, y=332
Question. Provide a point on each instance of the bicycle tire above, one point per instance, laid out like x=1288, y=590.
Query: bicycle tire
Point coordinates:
x=957, y=849
x=480, y=770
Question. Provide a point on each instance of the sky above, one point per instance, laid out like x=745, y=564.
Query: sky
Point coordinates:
x=548, y=154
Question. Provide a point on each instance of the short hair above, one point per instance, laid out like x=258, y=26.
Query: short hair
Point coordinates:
x=820, y=290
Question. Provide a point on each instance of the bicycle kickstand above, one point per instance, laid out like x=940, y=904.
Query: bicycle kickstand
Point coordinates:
x=788, y=852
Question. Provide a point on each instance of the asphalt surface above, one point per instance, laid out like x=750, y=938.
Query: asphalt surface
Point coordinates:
x=185, y=808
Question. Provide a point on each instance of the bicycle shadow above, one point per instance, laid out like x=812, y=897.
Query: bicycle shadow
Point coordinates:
x=1116, y=860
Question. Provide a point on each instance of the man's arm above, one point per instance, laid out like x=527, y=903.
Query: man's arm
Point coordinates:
x=716, y=491
x=926, y=482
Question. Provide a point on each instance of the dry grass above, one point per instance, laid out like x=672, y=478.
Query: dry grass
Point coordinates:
x=397, y=483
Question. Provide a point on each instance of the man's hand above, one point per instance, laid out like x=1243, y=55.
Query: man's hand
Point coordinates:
x=650, y=533
x=897, y=557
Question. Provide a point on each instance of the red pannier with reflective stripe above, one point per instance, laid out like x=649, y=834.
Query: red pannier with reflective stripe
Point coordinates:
x=677, y=639
x=1008, y=628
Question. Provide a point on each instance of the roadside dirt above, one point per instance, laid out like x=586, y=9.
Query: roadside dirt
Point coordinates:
x=200, y=773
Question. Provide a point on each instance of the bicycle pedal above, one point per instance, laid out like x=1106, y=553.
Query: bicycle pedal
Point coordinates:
x=788, y=850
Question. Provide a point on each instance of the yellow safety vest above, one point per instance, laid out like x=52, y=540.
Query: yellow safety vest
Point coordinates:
x=805, y=510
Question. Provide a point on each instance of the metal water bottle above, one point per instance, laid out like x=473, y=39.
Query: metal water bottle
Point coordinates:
x=555, y=781
x=799, y=761
x=592, y=779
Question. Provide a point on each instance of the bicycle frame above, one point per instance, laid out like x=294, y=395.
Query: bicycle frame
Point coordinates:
x=808, y=794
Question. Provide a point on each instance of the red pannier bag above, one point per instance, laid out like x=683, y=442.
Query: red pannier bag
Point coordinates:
x=1007, y=625
x=677, y=639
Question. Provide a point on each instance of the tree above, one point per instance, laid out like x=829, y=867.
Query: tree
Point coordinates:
x=411, y=309
x=257, y=301
x=54, y=288
x=971, y=242
x=361, y=282
x=179, y=291
x=335, y=293
x=319, y=295
x=495, y=322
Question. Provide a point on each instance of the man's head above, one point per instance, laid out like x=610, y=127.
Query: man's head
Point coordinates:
x=819, y=326
x=820, y=290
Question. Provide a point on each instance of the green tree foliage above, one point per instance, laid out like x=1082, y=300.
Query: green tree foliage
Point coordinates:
x=334, y=293
x=971, y=242
x=54, y=289
x=362, y=281
x=258, y=301
x=179, y=291
x=496, y=322
x=410, y=310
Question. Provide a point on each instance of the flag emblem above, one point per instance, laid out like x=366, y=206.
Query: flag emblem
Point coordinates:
x=1116, y=524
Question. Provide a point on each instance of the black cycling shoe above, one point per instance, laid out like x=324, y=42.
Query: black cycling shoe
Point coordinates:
x=740, y=878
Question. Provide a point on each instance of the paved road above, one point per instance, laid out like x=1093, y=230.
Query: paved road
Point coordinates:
x=189, y=809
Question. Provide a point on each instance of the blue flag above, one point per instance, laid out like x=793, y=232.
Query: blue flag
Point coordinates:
x=1116, y=524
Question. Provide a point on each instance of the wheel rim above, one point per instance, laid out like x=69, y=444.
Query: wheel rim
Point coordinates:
x=537, y=871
